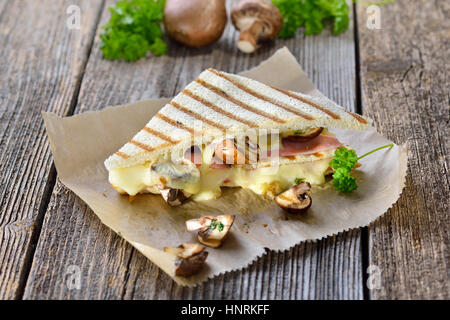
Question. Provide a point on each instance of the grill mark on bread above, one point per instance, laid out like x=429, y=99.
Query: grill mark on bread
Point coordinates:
x=122, y=154
x=142, y=145
x=217, y=109
x=237, y=102
x=357, y=117
x=160, y=135
x=197, y=116
x=175, y=123
x=312, y=104
x=148, y=148
x=262, y=97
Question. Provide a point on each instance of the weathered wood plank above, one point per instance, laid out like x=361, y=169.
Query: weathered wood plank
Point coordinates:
x=330, y=268
x=404, y=76
x=41, y=62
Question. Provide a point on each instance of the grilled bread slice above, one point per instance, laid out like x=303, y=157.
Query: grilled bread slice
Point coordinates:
x=216, y=103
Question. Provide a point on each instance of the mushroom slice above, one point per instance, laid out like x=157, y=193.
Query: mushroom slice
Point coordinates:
x=178, y=172
x=190, y=258
x=212, y=231
x=296, y=199
x=174, y=197
x=257, y=20
x=227, y=152
x=231, y=152
x=304, y=135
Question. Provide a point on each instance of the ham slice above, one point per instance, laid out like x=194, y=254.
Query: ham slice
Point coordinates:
x=317, y=144
x=290, y=148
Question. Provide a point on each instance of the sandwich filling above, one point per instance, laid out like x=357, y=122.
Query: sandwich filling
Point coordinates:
x=265, y=168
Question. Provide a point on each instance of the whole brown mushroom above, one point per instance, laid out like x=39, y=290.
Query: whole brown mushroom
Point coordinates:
x=195, y=23
x=258, y=20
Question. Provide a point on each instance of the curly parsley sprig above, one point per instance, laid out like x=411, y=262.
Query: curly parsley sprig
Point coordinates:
x=312, y=14
x=345, y=161
x=133, y=30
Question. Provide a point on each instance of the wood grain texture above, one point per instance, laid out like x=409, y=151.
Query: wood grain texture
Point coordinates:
x=41, y=62
x=404, y=79
x=111, y=269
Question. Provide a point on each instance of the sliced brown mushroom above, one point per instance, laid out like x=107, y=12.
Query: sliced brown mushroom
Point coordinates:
x=190, y=258
x=231, y=152
x=211, y=230
x=296, y=199
x=258, y=20
x=195, y=23
x=180, y=171
x=304, y=135
x=174, y=197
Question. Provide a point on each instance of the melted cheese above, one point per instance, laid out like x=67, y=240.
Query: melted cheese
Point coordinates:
x=262, y=180
x=131, y=180
x=267, y=181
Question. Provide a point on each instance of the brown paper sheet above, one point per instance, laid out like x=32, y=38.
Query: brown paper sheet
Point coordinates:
x=81, y=143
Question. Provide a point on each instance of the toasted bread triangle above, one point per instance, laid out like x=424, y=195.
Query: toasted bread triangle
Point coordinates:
x=226, y=103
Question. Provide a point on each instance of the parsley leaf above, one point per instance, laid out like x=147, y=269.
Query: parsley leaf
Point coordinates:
x=158, y=47
x=344, y=158
x=216, y=224
x=293, y=18
x=299, y=180
x=311, y=14
x=343, y=180
x=343, y=162
x=133, y=30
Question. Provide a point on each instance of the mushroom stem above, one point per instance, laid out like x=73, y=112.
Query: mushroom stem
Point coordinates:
x=248, y=39
x=258, y=20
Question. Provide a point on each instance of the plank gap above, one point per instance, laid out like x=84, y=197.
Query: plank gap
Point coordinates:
x=358, y=102
x=359, y=109
x=29, y=255
x=365, y=261
x=74, y=101
x=48, y=190
x=128, y=274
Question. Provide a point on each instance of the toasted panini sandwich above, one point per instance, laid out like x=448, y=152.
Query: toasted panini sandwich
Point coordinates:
x=225, y=130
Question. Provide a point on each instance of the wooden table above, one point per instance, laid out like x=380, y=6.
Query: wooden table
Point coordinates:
x=397, y=75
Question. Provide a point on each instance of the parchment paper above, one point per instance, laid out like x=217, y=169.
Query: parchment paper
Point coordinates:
x=81, y=143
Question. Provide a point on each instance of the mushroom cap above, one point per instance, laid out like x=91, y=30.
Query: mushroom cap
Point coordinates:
x=189, y=266
x=305, y=136
x=246, y=12
x=296, y=199
x=190, y=258
x=195, y=23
